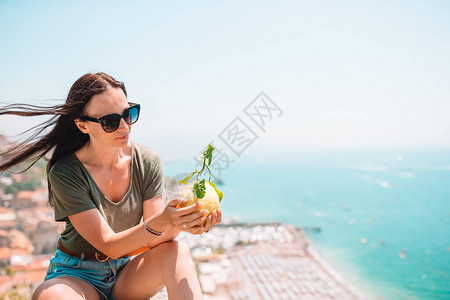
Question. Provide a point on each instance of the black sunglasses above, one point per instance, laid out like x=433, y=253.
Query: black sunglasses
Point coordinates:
x=111, y=122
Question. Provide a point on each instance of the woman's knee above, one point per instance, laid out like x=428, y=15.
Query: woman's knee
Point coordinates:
x=71, y=288
x=173, y=252
x=50, y=292
x=176, y=248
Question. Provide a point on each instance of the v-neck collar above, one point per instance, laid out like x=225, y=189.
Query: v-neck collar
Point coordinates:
x=95, y=183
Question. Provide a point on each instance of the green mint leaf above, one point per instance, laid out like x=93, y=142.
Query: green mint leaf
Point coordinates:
x=199, y=189
x=186, y=180
x=208, y=154
x=219, y=193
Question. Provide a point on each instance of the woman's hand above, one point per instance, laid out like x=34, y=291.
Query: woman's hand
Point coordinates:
x=214, y=218
x=185, y=218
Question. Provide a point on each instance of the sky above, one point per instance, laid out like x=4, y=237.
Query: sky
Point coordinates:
x=343, y=74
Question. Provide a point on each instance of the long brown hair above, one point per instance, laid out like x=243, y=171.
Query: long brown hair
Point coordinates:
x=59, y=135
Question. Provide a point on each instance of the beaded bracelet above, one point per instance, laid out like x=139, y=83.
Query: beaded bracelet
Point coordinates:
x=152, y=231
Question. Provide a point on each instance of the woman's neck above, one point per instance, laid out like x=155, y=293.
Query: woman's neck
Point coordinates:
x=100, y=156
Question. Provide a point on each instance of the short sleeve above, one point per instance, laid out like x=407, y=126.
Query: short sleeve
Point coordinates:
x=70, y=194
x=155, y=179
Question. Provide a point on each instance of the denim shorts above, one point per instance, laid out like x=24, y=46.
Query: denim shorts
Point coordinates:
x=101, y=275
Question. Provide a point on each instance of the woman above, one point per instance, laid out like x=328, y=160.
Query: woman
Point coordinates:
x=103, y=186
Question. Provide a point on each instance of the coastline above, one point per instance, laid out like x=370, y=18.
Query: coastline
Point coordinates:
x=264, y=261
x=366, y=289
x=335, y=273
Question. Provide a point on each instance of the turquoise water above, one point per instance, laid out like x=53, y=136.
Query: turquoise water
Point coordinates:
x=384, y=216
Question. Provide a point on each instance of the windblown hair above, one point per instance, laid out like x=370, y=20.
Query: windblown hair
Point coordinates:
x=59, y=135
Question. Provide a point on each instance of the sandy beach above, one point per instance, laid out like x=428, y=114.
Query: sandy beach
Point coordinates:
x=263, y=261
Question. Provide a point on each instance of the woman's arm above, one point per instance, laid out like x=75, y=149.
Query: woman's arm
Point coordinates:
x=95, y=229
x=151, y=207
x=154, y=205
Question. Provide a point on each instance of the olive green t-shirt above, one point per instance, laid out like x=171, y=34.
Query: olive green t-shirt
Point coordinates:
x=74, y=191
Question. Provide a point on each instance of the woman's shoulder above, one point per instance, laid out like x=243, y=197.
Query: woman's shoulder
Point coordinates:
x=146, y=159
x=145, y=152
x=68, y=164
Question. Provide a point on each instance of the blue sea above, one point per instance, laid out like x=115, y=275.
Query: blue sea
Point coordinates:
x=379, y=217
